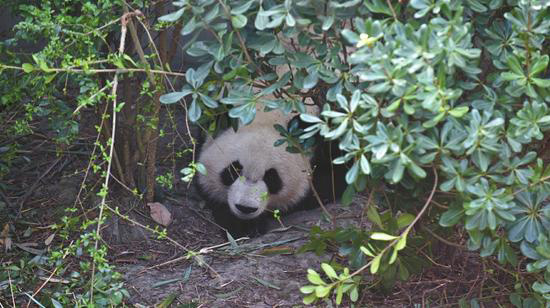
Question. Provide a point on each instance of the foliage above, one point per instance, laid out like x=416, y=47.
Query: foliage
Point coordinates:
x=56, y=65
x=457, y=86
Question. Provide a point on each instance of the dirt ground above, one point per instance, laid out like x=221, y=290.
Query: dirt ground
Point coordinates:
x=241, y=275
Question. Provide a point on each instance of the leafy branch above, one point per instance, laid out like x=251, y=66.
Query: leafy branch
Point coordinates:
x=344, y=282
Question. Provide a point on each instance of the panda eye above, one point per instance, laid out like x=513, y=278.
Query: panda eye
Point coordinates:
x=231, y=173
x=273, y=181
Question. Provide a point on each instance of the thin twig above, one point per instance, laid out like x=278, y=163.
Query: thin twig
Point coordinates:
x=124, y=22
x=11, y=290
x=406, y=231
x=90, y=162
x=392, y=10
x=316, y=195
x=201, y=251
x=90, y=98
x=99, y=70
x=442, y=239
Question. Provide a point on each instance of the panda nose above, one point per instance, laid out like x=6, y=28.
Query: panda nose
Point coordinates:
x=245, y=209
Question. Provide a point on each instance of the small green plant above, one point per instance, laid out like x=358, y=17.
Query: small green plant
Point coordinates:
x=190, y=171
x=341, y=284
x=166, y=180
x=277, y=216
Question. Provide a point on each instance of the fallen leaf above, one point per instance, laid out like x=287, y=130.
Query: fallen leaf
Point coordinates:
x=34, y=251
x=49, y=240
x=5, y=230
x=6, y=241
x=281, y=250
x=160, y=213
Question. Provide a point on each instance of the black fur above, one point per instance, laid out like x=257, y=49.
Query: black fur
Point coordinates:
x=273, y=181
x=231, y=173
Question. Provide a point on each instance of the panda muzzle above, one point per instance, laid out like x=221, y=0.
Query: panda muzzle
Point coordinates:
x=245, y=209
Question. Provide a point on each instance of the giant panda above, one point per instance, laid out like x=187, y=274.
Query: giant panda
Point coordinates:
x=247, y=177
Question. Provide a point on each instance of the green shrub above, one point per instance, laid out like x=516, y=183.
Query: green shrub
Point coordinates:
x=453, y=93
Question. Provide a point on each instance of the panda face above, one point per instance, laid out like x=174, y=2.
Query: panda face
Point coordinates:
x=247, y=197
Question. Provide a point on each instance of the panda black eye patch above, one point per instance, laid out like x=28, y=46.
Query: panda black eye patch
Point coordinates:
x=231, y=173
x=273, y=181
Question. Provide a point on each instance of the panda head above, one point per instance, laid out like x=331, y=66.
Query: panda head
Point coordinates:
x=249, y=191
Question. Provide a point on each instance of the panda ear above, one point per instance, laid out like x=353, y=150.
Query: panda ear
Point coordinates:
x=231, y=173
x=273, y=181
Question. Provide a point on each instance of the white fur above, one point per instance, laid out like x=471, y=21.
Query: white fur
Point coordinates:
x=248, y=193
x=252, y=146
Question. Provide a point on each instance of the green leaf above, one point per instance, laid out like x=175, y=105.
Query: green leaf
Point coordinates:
x=308, y=118
x=543, y=83
x=433, y=122
x=393, y=256
x=404, y=220
x=365, y=166
x=401, y=243
x=347, y=196
x=397, y=171
x=303, y=60
x=327, y=22
x=201, y=168
x=322, y=291
x=379, y=236
x=515, y=299
x=49, y=78
x=373, y=216
x=366, y=251
x=194, y=111
x=311, y=80
x=314, y=277
x=540, y=65
x=350, y=36
x=56, y=304
x=290, y=21
x=261, y=20
x=403, y=272
x=375, y=264
x=477, y=6
x=354, y=294
x=44, y=66
x=339, y=294
x=172, y=16
x=173, y=97
x=329, y=271
x=352, y=173
x=238, y=21
x=307, y=289
x=451, y=217
x=393, y=106
x=416, y=170
x=190, y=26
x=514, y=65
x=541, y=287
x=27, y=67
x=209, y=102
x=458, y=112
x=242, y=8
x=510, y=76
x=310, y=299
